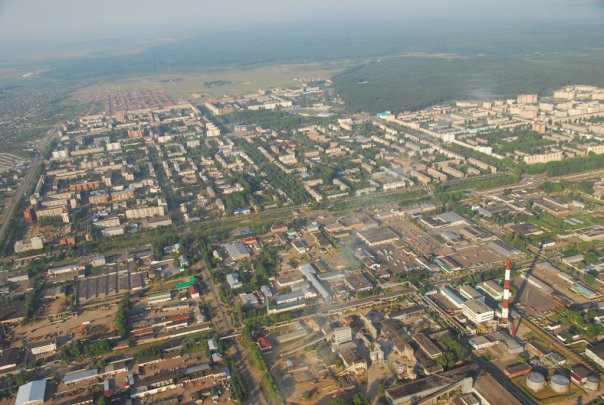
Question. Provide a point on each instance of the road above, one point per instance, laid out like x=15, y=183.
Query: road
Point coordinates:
x=15, y=202
x=250, y=376
x=164, y=183
x=25, y=183
x=19, y=193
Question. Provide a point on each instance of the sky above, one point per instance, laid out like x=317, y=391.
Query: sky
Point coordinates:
x=36, y=22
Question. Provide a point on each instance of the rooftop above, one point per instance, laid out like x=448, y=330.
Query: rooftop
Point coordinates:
x=31, y=393
x=432, y=382
x=490, y=389
x=598, y=349
x=79, y=375
x=378, y=236
x=237, y=250
x=427, y=345
x=477, y=307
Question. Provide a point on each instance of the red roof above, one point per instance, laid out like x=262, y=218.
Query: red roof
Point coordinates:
x=193, y=290
x=178, y=318
x=263, y=342
x=141, y=332
x=249, y=239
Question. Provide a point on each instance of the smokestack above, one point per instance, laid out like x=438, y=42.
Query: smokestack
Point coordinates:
x=505, y=305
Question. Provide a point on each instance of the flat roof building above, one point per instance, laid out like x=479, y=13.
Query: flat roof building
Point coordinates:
x=48, y=346
x=491, y=288
x=342, y=334
x=404, y=313
x=237, y=251
x=477, y=311
x=310, y=273
x=357, y=281
x=596, y=353
x=470, y=293
x=493, y=392
x=378, y=236
x=452, y=296
x=443, y=383
x=159, y=297
x=480, y=342
x=427, y=345
x=233, y=280
x=80, y=375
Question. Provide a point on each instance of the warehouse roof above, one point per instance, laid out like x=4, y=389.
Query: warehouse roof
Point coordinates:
x=31, y=393
x=237, y=251
x=79, y=375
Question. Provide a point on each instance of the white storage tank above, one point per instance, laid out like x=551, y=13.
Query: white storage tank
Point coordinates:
x=535, y=381
x=592, y=383
x=560, y=383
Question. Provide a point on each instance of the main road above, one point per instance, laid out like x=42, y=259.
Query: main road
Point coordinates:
x=250, y=376
x=15, y=202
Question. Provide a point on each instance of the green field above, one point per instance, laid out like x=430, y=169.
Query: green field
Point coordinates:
x=217, y=82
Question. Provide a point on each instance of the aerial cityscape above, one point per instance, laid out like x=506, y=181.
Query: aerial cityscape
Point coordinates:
x=301, y=222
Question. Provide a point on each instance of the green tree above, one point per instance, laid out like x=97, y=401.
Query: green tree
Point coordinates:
x=381, y=390
x=360, y=399
x=522, y=357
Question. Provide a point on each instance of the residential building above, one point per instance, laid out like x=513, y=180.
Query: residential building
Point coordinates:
x=342, y=334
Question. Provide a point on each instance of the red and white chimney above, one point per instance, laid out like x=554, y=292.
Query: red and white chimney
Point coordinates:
x=505, y=305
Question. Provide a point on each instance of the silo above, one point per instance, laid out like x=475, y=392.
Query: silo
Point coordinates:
x=592, y=383
x=560, y=383
x=535, y=381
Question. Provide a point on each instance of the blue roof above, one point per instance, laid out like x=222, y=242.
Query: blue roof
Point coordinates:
x=584, y=290
x=31, y=392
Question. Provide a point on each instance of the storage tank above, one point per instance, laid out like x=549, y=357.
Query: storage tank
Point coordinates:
x=560, y=383
x=535, y=381
x=592, y=383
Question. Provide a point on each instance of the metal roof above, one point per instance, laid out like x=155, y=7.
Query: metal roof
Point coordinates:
x=79, y=375
x=31, y=393
x=309, y=272
x=237, y=250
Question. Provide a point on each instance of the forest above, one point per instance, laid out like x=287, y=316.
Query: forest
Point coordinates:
x=412, y=83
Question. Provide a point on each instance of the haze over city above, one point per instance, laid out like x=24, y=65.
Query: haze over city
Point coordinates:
x=319, y=202
x=117, y=25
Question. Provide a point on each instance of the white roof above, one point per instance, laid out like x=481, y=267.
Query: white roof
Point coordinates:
x=79, y=375
x=309, y=272
x=31, y=393
x=451, y=217
x=237, y=250
x=477, y=307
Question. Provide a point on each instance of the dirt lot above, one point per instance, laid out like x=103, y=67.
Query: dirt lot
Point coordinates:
x=536, y=301
x=305, y=376
x=42, y=330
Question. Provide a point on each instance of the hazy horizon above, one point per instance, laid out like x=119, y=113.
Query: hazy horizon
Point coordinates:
x=33, y=27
